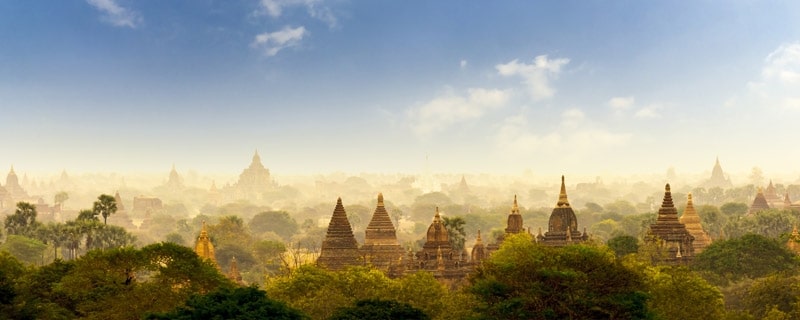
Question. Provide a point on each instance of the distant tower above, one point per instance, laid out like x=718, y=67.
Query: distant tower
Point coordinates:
x=339, y=249
x=380, y=239
x=233, y=272
x=692, y=222
x=254, y=181
x=787, y=204
x=718, y=179
x=118, y=200
x=671, y=235
x=204, y=248
x=175, y=182
x=759, y=203
x=12, y=186
x=773, y=199
x=563, y=224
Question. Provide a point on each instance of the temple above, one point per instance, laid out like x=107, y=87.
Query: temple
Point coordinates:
x=381, y=248
x=670, y=235
x=771, y=194
x=794, y=241
x=233, y=272
x=204, y=248
x=759, y=203
x=692, y=222
x=562, y=228
x=253, y=182
x=718, y=178
x=479, y=252
x=175, y=182
x=339, y=249
x=513, y=226
x=438, y=256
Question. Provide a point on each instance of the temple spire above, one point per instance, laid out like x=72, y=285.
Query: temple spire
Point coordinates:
x=562, y=196
x=515, y=206
x=380, y=199
x=478, y=240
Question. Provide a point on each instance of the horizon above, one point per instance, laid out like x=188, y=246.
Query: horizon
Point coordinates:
x=320, y=87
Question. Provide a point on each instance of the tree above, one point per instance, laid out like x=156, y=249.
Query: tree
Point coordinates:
x=376, y=309
x=27, y=250
x=751, y=256
x=525, y=280
x=276, y=221
x=60, y=198
x=105, y=206
x=732, y=209
x=623, y=245
x=778, y=292
x=23, y=221
x=85, y=215
x=678, y=293
x=232, y=303
x=455, y=232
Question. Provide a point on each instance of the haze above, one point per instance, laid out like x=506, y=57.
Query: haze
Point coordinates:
x=341, y=86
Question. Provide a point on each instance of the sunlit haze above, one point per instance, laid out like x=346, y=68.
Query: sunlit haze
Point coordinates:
x=542, y=87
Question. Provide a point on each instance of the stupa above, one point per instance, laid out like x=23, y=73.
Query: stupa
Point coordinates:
x=691, y=220
x=339, y=249
x=562, y=228
x=204, y=248
x=759, y=203
x=380, y=239
x=670, y=235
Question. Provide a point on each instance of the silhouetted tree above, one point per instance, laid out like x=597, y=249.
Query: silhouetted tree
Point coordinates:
x=105, y=206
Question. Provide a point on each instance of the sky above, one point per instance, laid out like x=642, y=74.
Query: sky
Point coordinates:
x=318, y=86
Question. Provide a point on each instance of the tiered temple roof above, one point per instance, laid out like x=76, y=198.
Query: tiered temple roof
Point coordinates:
x=670, y=234
x=233, y=272
x=772, y=197
x=563, y=225
x=479, y=252
x=794, y=241
x=339, y=249
x=204, y=248
x=691, y=220
x=759, y=203
x=380, y=239
x=513, y=226
x=718, y=179
x=437, y=238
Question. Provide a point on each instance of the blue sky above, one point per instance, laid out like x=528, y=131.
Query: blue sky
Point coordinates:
x=590, y=87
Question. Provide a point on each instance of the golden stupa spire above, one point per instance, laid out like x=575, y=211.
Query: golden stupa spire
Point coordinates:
x=562, y=197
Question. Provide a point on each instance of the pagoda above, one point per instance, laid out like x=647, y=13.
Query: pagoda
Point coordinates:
x=670, y=235
x=339, y=249
x=380, y=239
x=787, y=203
x=479, y=252
x=13, y=187
x=692, y=222
x=233, y=272
x=718, y=178
x=513, y=226
x=175, y=182
x=772, y=197
x=562, y=228
x=794, y=241
x=759, y=203
x=204, y=248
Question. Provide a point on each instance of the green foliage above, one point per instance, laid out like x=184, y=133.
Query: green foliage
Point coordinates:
x=751, y=256
x=85, y=215
x=621, y=207
x=25, y=249
x=678, y=293
x=376, y=309
x=23, y=221
x=274, y=221
x=232, y=303
x=105, y=206
x=175, y=238
x=524, y=280
x=623, y=245
x=455, y=232
x=773, y=294
x=734, y=209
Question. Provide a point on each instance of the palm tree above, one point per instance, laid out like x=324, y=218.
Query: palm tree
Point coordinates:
x=105, y=206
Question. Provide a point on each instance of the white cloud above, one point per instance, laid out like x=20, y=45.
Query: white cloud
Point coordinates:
x=621, y=103
x=536, y=76
x=573, y=136
x=649, y=112
x=315, y=8
x=779, y=82
x=450, y=108
x=274, y=42
x=116, y=15
x=463, y=64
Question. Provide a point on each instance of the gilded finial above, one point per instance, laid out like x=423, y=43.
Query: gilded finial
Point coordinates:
x=562, y=196
x=666, y=188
